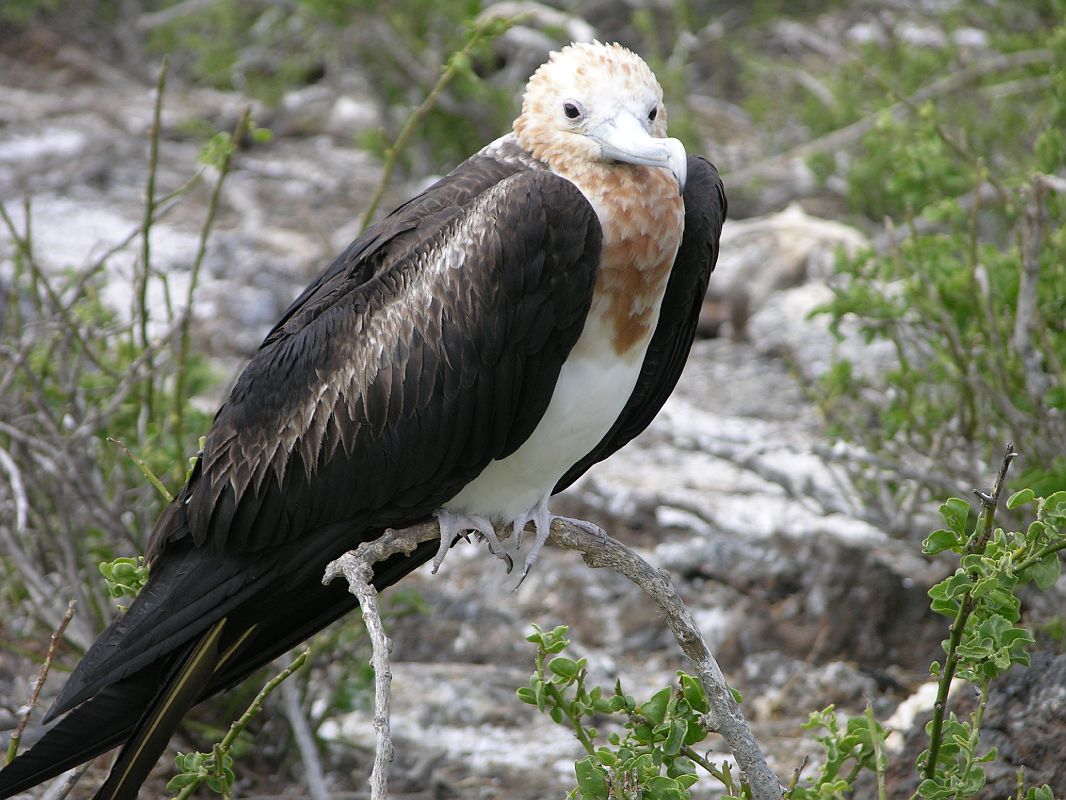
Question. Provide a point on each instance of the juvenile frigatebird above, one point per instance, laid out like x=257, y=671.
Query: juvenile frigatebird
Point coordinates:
x=467, y=357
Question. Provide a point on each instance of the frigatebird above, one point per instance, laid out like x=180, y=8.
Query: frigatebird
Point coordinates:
x=467, y=357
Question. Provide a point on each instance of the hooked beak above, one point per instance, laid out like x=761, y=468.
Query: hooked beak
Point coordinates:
x=623, y=138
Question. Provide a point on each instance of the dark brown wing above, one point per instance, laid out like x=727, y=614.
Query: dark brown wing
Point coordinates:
x=705, y=212
x=371, y=404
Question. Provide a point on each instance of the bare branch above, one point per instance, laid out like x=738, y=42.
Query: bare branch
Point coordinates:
x=157, y=19
x=725, y=716
x=356, y=568
x=24, y=717
x=850, y=134
x=305, y=741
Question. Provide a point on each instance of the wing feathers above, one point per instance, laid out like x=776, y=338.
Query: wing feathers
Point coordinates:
x=489, y=347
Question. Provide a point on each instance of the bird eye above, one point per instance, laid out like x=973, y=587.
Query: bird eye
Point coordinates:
x=653, y=114
x=571, y=110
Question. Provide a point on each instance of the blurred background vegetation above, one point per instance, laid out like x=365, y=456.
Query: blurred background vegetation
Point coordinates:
x=943, y=140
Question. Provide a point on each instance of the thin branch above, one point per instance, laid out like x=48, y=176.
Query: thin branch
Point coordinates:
x=18, y=490
x=850, y=134
x=725, y=716
x=450, y=71
x=989, y=502
x=305, y=741
x=194, y=276
x=149, y=212
x=41, y=279
x=357, y=570
x=24, y=718
x=157, y=19
x=144, y=468
x=58, y=791
x=1027, y=310
x=223, y=747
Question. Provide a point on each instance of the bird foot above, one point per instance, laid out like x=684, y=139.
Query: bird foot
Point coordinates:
x=453, y=525
x=542, y=519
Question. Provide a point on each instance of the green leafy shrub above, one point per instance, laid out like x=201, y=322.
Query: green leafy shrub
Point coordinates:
x=652, y=755
x=965, y=286
x=650, y=749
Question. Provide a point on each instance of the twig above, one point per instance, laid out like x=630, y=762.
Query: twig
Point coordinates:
x=357, y=570
x=989, y=502
x=157, y=19
x=254, y=708
x=305, y=741
x=194, y=276
x=14, y=479
x=1027, y=310
x=24, y=718
x=725, y=717
x=451, y=69
x=58, y=791
x=879, y=758
x=40, y=279
x=149, y=212
x=848, y=135
x=145, y=469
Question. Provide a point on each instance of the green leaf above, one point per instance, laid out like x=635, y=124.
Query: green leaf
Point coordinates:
x=526, y=695
x=564, y=667
x=591, y=779
x=655, y=709
x=1045, y=573
x=955, y=511
x=1055, y=503
x=662, y=788
x=179, y=782
x=939, y=541
x=693, y=692
x=676, y=737
x=606, y=757
x=687, y=780
x=1021, y=498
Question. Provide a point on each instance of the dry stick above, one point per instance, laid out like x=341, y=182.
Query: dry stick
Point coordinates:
x=58, y=791
x=40, y=279
x=725, y=717
x=1027, y=312
x=356, y=568
x=24, y=718
x=305, y=741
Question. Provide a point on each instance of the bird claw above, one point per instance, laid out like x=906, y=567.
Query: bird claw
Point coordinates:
x=455, y=525
x=542, y=519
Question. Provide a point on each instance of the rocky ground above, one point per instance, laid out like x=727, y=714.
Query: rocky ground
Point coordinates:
x=804, y=599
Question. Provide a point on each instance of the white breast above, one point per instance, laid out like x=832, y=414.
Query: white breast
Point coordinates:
x=593, y=388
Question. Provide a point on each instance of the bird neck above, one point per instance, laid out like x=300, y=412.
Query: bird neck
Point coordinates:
x=642, y=216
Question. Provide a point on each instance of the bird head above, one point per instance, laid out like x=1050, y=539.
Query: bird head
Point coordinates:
x=597, y=103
